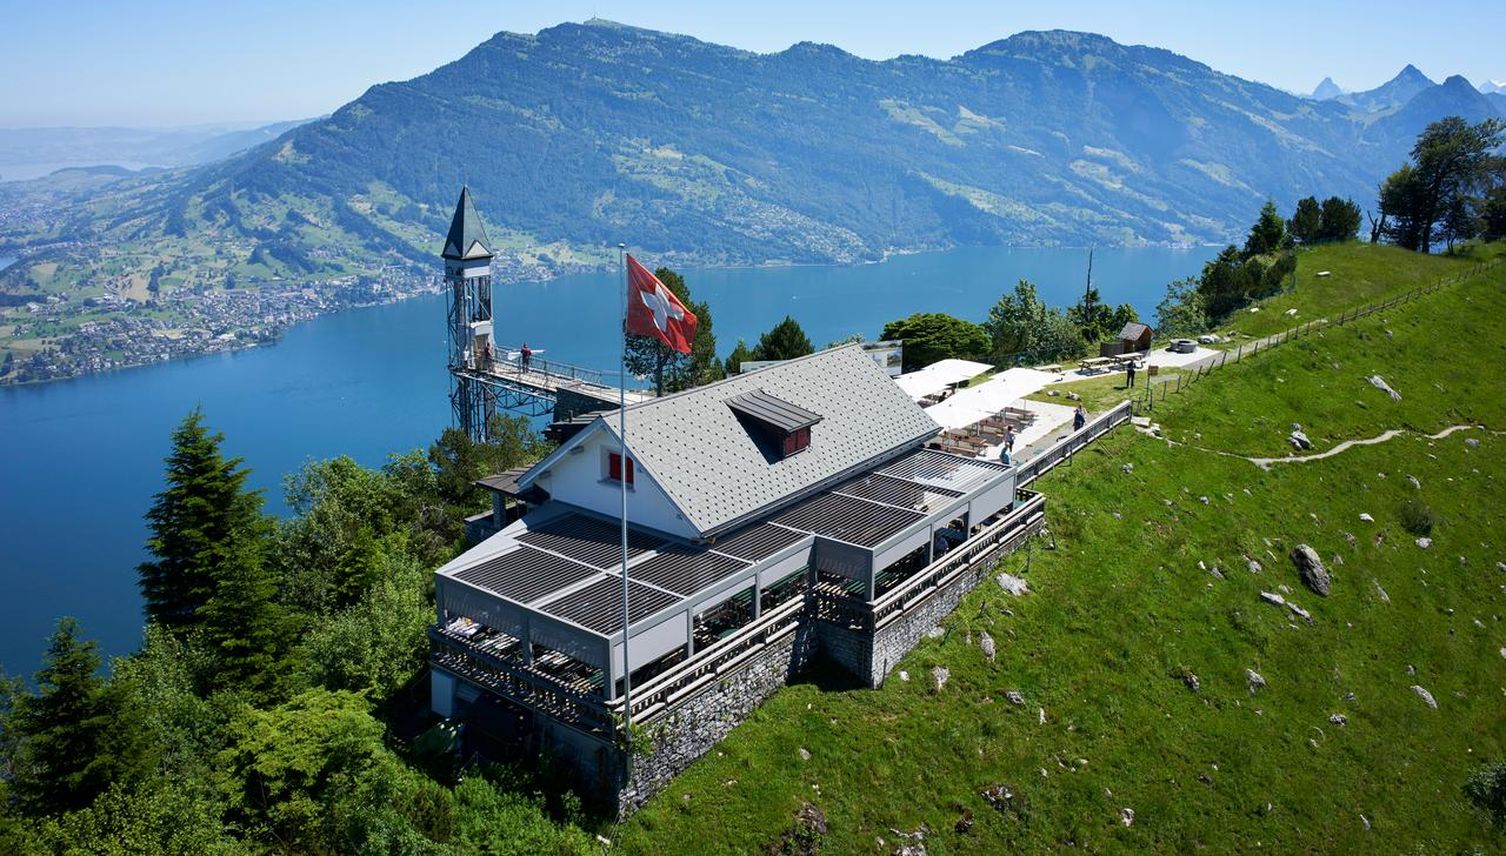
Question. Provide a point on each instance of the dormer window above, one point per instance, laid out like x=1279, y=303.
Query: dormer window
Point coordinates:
x=779, y=427
x=614, y=468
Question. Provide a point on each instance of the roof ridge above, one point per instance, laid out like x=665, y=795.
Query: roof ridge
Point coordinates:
x=700, y=390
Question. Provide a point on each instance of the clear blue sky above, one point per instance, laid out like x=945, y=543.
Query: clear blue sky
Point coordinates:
x=172, y=62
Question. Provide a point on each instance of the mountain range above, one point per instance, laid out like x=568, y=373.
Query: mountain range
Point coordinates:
x=33, y=152
x=584, y=135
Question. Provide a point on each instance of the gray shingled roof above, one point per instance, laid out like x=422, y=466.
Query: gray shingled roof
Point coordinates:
x=467, y=237
x=1133, y=330
x=696, y=448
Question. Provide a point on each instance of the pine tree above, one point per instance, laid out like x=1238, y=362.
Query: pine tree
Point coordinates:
x=1268, y=234
x=194, y=522
x=72, y=739
x=740, y=354
x=1090, y=316
x=245, y=626
x=784, y=341
x=1306, y=225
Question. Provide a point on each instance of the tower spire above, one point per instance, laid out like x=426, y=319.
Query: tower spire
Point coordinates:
x=467, y=236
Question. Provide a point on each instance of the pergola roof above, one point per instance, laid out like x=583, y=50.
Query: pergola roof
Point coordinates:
x=565, y=563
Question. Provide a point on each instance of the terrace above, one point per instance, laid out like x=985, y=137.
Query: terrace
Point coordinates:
x=536, y=612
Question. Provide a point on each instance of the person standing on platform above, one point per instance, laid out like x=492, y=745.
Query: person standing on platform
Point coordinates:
x=527, y=356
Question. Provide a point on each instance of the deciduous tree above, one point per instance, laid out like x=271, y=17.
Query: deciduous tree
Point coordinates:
x=1021, y=327
x=933, y=336
x=1184, y=309
x=671, y=370
x=1434, y=197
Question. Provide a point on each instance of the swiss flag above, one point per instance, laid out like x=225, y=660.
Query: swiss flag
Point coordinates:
x=653, y=310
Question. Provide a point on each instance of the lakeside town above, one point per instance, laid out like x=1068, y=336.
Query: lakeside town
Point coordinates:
x=118, y=332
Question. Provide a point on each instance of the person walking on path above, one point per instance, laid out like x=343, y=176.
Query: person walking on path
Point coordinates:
x=1079, y=418
x=1009, y=438
x=1130, y=370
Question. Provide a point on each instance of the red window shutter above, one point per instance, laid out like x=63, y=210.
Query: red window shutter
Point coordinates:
x=614, y=467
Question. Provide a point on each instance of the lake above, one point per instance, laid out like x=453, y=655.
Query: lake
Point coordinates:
x=80, y=460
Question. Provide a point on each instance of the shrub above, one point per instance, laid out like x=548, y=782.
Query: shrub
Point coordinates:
x=1416, y=517
x=1487, y=789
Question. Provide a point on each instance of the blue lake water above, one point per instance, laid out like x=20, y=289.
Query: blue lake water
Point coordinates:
x=80, y=460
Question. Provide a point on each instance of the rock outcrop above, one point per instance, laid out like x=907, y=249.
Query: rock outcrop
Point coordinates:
x=1314, y=575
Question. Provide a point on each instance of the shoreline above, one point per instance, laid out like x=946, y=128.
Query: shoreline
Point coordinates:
x=277, y=337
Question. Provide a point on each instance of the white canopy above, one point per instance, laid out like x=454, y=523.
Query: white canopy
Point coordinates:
x=938, y=376
x=974, y=404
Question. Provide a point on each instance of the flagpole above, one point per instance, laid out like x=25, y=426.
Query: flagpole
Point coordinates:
x=622, y=472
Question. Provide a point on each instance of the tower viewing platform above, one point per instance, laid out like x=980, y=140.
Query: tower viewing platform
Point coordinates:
x=537, y=386
x=486, y=378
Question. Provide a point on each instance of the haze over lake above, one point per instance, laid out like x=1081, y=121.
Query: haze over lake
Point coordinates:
x=81, y=459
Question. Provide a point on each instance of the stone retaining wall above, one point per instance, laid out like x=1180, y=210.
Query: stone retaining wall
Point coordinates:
x=871, y=657
x=695, y=725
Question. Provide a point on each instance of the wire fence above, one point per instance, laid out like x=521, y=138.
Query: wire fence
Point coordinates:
x=1157, y=390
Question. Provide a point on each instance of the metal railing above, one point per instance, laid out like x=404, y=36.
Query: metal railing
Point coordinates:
x=1068, y=446
x=538, y=371
x=658, y=693
x=1003, y=535
x=516, y=682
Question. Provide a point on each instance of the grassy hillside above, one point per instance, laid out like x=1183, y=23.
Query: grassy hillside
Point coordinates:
x=1358, y=274
x=1128, y=604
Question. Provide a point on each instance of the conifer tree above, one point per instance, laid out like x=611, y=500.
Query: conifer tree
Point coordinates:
x=1268, y=234
x=245, y=626
x=1306, y=225
x=740, y=353
x=194, y=523
x=71, y=740
x=784, y=341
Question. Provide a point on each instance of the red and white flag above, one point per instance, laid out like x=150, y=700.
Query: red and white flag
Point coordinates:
x=653, y=310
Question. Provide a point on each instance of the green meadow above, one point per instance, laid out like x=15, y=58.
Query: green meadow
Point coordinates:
x=1159, y=548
